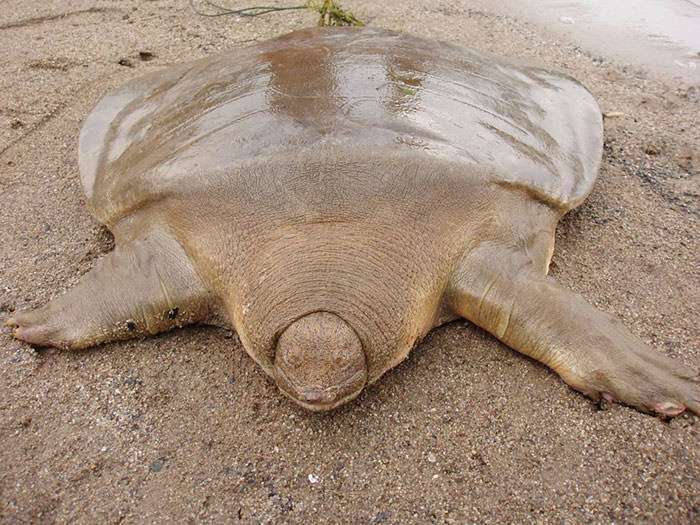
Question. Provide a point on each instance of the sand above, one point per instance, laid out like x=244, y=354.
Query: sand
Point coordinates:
x=184, y=427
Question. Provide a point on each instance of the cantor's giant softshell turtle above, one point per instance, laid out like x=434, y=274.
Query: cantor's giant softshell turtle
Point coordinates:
x=336, y=194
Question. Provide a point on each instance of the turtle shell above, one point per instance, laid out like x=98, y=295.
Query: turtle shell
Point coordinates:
x=364, y=89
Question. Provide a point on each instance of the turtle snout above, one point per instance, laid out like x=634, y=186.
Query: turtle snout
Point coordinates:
x=319, y=362
x=319, y=398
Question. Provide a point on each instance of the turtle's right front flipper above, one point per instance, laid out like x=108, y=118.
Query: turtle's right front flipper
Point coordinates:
x=144, y=286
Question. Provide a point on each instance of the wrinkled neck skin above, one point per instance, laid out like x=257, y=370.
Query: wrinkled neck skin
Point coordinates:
x=378, y=259
x=341, y=268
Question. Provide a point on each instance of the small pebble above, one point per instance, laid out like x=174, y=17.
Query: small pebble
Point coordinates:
x=313, y=478
x=431, y=457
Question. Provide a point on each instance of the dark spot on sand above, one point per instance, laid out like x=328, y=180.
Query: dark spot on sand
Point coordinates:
x=146, y=56
x=131, y=325
x=652, y=149
x=7, y=307
x=172, y=314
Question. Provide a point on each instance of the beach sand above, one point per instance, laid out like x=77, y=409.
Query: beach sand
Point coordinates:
x=185, y=427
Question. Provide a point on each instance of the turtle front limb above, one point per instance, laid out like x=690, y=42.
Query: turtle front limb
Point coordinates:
x=142, y=287
x=591, y=350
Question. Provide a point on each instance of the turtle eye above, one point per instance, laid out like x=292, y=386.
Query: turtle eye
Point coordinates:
x=293, y=357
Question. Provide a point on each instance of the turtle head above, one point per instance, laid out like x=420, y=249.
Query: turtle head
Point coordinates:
x=319, y=362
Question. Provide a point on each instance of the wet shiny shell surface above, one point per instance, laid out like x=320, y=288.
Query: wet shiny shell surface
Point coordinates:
x=358, y=89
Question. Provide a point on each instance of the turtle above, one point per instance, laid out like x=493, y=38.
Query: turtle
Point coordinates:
x=333, y=195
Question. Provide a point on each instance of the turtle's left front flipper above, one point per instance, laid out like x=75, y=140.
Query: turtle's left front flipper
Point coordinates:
x=144, y=286
x=592, y=351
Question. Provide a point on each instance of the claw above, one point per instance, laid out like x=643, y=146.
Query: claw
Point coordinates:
x=11, y=322
x=40, y=334
x=668, y=408
x=605, y=401
x=609, y=398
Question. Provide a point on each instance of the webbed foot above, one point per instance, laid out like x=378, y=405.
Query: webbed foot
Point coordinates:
x=143, y=287
x=636, y=375
x=42, y=327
